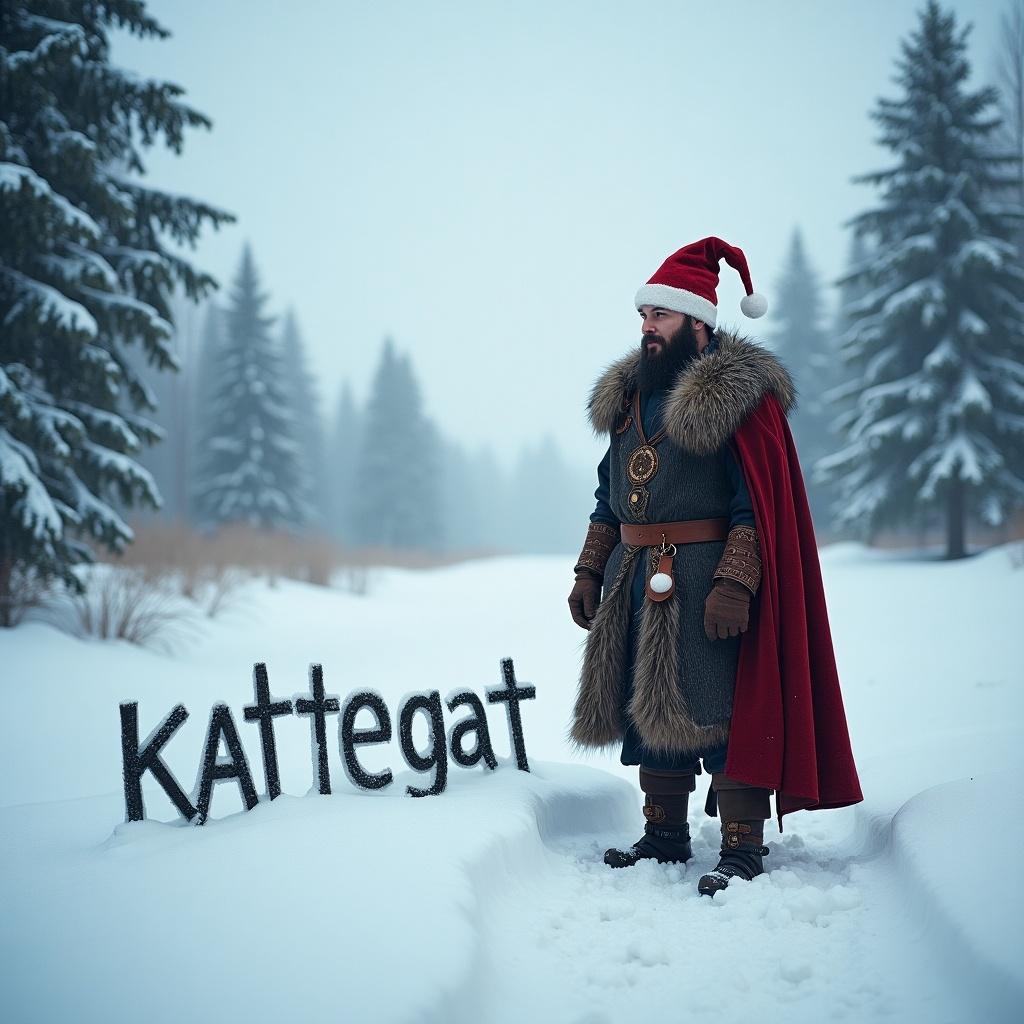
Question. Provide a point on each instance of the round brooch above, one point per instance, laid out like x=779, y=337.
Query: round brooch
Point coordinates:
x=637, y=502
x=642, y=464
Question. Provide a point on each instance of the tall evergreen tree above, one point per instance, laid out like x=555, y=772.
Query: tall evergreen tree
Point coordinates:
x=84, y=274
x=309, y=430
x=938, y=340
x=251, y=470
x=802, y=342
x=397, y=502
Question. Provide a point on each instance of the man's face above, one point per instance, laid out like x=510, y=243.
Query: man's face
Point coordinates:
x=667, y=344
x=659, y=325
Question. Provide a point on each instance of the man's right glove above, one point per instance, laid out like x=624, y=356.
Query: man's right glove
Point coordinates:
x=586, y=594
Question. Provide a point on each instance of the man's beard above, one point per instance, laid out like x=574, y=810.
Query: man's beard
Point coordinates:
x=660, y=371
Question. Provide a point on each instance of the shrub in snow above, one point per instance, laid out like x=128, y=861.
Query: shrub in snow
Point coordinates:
x=139, y=605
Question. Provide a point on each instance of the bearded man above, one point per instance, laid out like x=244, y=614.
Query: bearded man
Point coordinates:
x=700, y=585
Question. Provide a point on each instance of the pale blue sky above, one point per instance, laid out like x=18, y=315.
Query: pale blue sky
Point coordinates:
x=490, y=183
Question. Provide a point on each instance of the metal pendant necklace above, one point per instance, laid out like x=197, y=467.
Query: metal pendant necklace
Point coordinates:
x=641, y=465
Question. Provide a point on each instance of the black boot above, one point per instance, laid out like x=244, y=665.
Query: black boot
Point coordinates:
x=743, y=810
x=666, y=837
x=742, y=855
x=665, y=845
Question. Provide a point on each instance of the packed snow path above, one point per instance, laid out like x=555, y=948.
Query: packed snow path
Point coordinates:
x=828, y=933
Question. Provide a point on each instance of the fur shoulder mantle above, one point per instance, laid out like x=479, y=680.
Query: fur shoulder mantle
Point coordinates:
x=710, y=398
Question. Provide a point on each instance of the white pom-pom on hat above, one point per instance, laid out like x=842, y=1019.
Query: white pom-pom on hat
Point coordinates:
x=754, y=305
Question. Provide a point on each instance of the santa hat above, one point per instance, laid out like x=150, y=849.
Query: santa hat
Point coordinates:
x=687, y=280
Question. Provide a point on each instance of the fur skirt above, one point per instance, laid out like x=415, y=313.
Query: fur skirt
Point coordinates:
x=677, y=691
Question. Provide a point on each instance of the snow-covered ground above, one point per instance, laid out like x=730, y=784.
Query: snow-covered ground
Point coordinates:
x=490, y=902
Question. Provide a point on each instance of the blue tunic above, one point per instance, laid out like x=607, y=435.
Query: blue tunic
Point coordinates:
x=741, y=512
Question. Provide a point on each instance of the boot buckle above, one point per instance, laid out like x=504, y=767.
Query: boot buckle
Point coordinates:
x=734, y=830
x=654, y=813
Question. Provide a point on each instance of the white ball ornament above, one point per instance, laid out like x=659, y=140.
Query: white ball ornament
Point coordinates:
x=754, y=305
x=661, y=583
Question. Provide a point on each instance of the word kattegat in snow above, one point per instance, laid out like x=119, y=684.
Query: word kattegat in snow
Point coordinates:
x=317, y=705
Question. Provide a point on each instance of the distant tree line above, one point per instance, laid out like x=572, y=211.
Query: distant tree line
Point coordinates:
x=246, y=441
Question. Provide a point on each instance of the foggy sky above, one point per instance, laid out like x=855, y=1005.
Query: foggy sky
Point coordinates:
x=490, y=183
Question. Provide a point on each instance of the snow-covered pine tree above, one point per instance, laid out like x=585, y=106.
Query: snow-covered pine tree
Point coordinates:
x=83, y=275
x=309, y=430
x=801, y=341
x=396, y=501
x=340, y=469
x=938, y=340
x=250, y=471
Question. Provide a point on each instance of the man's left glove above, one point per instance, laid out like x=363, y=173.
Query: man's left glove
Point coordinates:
x=737, y=578
x=586, y=594
x=584, y=599
x=726, y=610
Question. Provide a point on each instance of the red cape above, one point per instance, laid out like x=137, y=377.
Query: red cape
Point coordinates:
x=788, y=730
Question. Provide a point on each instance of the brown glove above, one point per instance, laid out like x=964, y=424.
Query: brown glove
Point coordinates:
x=586, y=594
x=726, y=610
x=584, y=599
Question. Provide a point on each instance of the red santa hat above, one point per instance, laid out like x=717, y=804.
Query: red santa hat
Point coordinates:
x=687, y=280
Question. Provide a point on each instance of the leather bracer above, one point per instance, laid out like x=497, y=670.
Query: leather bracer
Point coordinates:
x=741, y=559
x=597, y=549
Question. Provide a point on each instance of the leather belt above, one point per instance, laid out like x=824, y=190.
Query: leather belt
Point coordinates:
x=688, y=531
x=661, y=586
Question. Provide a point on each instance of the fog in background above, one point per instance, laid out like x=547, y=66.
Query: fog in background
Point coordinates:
x=489, y=184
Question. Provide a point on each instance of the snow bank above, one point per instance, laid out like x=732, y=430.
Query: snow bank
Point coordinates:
x=957, y=847
x=345, y=907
